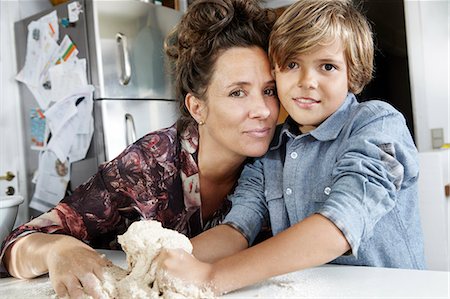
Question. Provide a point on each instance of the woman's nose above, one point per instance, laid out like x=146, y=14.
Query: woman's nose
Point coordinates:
x=260, y=108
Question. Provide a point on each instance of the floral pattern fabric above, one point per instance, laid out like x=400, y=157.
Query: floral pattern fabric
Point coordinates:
x=154, y=178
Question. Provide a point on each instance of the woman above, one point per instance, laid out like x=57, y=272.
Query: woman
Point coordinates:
x=179, y=176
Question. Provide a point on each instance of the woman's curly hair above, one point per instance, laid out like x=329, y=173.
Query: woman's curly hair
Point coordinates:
x=208, y=28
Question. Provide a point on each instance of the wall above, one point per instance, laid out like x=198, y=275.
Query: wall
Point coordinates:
x=427, y=30
x=435, y=208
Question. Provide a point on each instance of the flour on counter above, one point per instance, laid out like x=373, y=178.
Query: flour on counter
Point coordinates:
x=142, y=242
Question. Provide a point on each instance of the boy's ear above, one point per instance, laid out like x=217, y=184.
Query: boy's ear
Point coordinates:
x=195, y=107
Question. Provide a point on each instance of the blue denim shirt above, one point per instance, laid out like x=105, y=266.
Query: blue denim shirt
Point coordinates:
x=359, y=169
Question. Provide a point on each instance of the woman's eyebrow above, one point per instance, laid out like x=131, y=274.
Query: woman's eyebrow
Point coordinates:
x=241, y=83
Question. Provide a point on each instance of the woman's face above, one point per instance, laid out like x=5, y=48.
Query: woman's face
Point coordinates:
x=241, y=109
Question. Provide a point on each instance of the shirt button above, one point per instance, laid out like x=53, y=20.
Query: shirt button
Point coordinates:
x=288, y=191
x=294, y=155
x=327, y=190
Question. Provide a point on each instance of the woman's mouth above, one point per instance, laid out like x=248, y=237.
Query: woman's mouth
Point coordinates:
x=258, y=133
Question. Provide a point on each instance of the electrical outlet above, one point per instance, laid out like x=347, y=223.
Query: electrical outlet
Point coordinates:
x=437, y=137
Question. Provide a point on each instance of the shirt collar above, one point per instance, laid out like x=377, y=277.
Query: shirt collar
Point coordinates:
x=328, y=130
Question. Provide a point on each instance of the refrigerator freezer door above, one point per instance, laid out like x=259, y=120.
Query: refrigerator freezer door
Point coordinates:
x=124, y=121
x=126, y=41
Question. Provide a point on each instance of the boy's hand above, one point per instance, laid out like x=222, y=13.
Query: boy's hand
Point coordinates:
x=178, y=264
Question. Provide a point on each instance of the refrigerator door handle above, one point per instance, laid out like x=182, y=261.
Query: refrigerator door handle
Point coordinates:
x=130, y=129
x=124, y=58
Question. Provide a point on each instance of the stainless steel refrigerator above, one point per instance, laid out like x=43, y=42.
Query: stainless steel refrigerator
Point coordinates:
x=122, y=42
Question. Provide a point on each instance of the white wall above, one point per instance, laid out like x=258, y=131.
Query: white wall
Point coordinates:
x=435, y=208
x=428, y=35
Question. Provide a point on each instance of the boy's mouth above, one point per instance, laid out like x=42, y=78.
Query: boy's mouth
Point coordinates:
x=305, y=100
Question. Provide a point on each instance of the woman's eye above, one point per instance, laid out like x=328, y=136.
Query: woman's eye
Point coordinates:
x=292, y=65
x=237, y=93
x=328, y=67
x=271, y=92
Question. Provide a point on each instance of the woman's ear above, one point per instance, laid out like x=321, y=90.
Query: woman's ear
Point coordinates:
x=196, y=107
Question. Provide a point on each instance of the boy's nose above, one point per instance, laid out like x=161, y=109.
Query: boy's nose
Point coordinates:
x=306, y=80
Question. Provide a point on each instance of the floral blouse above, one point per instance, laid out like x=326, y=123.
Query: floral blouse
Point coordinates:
x=154, y=178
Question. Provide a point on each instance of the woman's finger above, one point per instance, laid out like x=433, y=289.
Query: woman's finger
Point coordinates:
x=92, y=286
x=61, y=290
x=74, y=288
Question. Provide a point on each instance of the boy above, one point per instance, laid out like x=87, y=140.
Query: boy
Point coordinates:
x=339, y=182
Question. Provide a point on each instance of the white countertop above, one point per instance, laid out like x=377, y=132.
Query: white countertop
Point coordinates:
x=329, y=281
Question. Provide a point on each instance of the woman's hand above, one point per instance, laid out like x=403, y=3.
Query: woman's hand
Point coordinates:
x=75, y=269
x=178, y=264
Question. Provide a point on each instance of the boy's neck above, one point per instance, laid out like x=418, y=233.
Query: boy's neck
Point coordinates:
x=305, y=129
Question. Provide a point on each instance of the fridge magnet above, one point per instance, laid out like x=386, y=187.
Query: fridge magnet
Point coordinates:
x=39, y=130
x=65, y=22
x=36, y=34
x=61, y=168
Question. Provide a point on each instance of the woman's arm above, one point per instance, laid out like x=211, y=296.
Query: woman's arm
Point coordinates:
x=311, y=242
x=74, y=267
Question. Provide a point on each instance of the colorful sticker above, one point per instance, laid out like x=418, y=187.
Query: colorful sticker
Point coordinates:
x=38, y=128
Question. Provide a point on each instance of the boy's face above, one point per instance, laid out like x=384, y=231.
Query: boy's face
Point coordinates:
x=313, y=85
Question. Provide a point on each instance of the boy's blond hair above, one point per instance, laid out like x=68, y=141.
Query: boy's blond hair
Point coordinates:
x=310, y=23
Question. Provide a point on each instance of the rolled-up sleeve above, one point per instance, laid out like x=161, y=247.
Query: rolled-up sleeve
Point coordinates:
x=249, y=209
x=369, y=171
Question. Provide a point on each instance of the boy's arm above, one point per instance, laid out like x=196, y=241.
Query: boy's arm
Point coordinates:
x=218, y=242
x=311, y=242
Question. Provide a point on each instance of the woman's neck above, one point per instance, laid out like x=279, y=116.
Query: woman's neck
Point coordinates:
x=218, y=165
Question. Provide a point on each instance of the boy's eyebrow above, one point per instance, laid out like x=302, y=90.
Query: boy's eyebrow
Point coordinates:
x=333, y=60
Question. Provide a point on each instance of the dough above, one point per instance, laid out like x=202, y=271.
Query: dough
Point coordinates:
x=142, y=242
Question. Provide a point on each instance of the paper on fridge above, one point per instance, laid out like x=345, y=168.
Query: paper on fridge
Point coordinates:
x=51, y=20
x=42, y=53
x=66, y=51
x=41, y=44
x=67, y=77
x=71, y=125
x=40, y=47
x=51, y=181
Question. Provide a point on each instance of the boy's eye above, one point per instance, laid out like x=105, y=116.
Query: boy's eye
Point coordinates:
x=237, y=93
x=292, y=65
x=328, y=67
x=271, y=92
